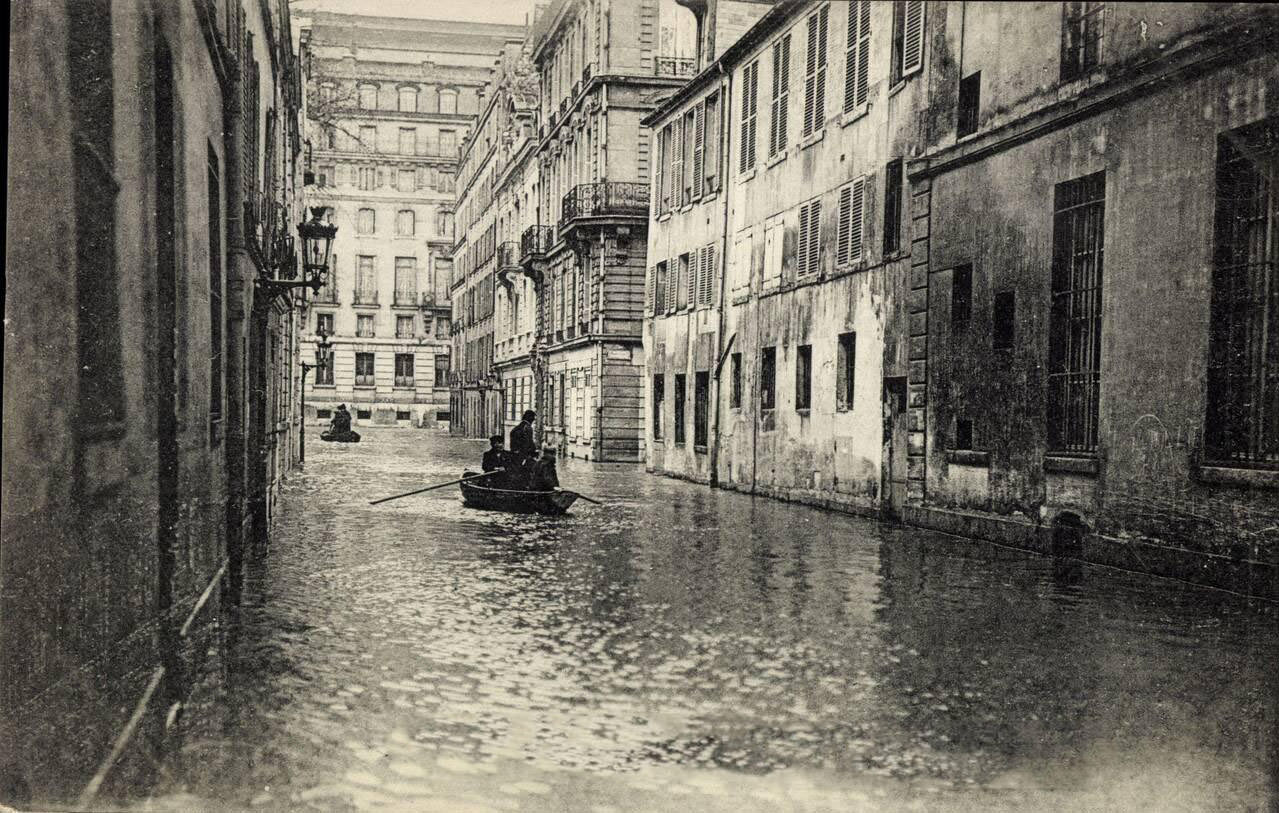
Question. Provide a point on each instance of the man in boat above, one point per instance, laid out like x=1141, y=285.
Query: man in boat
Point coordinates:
x=543, y=476
x=522, y=445
x=498, y=458
x=341, y=423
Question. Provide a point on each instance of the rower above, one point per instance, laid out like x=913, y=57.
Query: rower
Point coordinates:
x=496, y=457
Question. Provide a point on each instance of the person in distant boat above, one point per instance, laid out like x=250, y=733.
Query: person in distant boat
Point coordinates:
x=496, y=457
x=522, y=445
x=341, y=423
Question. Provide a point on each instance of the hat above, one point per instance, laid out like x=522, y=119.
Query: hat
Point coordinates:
x=496, y=439
x=341, y=406
x=528, y=415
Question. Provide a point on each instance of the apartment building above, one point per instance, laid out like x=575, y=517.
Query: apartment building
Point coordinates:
x=390, y=102
x=150, y=390
x=784, y=374
x=602, y=67
x=1094, y=360
x=912, y=318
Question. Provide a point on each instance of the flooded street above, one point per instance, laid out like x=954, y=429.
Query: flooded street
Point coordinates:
x=682, y=648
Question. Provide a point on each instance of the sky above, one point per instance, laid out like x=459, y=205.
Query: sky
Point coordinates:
x=510, y=12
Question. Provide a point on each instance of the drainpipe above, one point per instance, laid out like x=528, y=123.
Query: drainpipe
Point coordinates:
x=726, y=106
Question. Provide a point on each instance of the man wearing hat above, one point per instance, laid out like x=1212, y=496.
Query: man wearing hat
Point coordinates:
x=522, y=445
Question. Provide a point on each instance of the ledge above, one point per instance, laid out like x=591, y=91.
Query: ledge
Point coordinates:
x=1244, y=478
x=775, y=160
x=968, y=457
x=1071, y=465
x=853, y=115
x=812, y=138
x=747, y=175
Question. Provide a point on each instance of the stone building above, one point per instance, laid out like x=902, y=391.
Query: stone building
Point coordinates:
x=145, y=436
x=913, y=318
x=781, y=164
x=602, y=67
x=390, y=102
x=1094, y=353
x=494, y=302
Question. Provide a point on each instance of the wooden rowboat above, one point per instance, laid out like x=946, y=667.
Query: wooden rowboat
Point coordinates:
x=554, y=502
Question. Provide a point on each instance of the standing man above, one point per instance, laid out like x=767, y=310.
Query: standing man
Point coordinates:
x=522, y=445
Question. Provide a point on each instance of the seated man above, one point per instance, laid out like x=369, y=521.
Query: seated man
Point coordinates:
x=544, y=477
x=496, y=457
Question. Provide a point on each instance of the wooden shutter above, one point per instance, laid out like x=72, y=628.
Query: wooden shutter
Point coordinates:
x=660, y=199
x=706, y=285
x=913, y=36
x=857, y=56
x=677, y=165
x=745, y=147
x=851, y=223
x=814, y=237
x=699, y=148
x=690, y=282
x=843, y=215
x=810, y=76
x=650, y=291
x=672, y=279
x=752, y=95
x=781, y=95
x=819, y=104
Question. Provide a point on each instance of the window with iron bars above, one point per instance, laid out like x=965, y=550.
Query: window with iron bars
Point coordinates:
x=1074, y=339
x=1242, y=422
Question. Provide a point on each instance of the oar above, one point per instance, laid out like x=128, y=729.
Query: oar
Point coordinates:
x=432, y=488
x=582, y=496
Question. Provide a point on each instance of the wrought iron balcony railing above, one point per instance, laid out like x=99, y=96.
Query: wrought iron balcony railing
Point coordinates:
x=508, y=255
x=674, y=66
x=604, y=199
x=586, y=71
x=364, y=297
x=405, y=298
x=536, y=240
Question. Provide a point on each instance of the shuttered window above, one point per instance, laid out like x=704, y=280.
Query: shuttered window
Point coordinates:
x=672, y=284
x=908, y=38
x=742, y=265
x=810, y=245
x=781, y=96
x=857, y=57
x=659, y=180
x=815, y=72
x=852, y=205
x=699, y=150
x=750, y=89
x=714, y=136
x=650, y=291
x=677, y=164
x=689, y=265
x=706, y=278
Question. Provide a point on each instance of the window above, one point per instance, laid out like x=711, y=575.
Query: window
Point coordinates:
x=750, y=93
x=215, y=286
x=367, y=178
x=368, y=97
x=1005, y=315
x=405, y=223
x=324, y=324
x=366, y=221
x=363, y=370
x=815, y=73
x=448, y=101
x=809, y=251
x=403, y=415
x=774, y=240
x=325, y=176
x=701, y=407
x=681, y=388
x=660, y=283
x=706, y=273
x=742, y=253
x=681, y=283
x=695, y=124
x=323, y=414
x=404, y=327
x=845, y=367
x=804, y=376
x=661, y=181
x=781, y=96
x=735, y=378
x=969, y=104
x=768, y=378
x=364, y=326
x=714, y=129
x=444, y=224
x=365, y=281
x=659, y=399
x=677, y=164
x=441, y=371
x=403, y=369
x=406, y=181
x=405, y=281
x=368, y=138
x=893, y=194
x=1242, y=425
x=908, y=38
x=857, y=57
x=408, y=140
x=408, y=100
x=964, y=434
x=1074, y=325
x=442, y=327
x=363, y=414
x=1080, y=38
x=961, y=296
x=448, y=143
x=849, y=225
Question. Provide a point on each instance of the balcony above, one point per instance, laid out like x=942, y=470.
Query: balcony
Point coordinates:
x=535, y=242
x=405, y=299
x=508, y=255
x=604, y=199
x=366, y=298
x=674, y=66
x=577, y=88
x=586, y=72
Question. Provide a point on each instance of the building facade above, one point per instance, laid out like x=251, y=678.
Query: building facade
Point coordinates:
x=499, y=192
x=602, y=67
x=145, y=437
x=390, y=102
x=913, y=319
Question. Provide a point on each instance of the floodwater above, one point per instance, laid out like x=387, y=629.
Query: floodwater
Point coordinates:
x=686, y=649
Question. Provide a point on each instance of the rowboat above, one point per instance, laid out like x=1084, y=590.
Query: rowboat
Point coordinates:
x=346, y=437
x=516, y=501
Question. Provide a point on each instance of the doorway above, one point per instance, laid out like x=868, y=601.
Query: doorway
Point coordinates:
x=896, y=432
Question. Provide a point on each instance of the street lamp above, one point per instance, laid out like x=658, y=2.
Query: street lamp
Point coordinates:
x=323, y=357
x=317, y=247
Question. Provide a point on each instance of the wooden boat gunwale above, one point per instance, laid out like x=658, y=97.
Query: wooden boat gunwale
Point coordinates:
x=553, y=502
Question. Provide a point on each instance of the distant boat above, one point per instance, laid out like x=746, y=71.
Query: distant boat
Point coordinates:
x=515, y=501
x=344, y=437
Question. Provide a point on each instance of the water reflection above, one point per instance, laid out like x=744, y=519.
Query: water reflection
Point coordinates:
x=740, y=654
